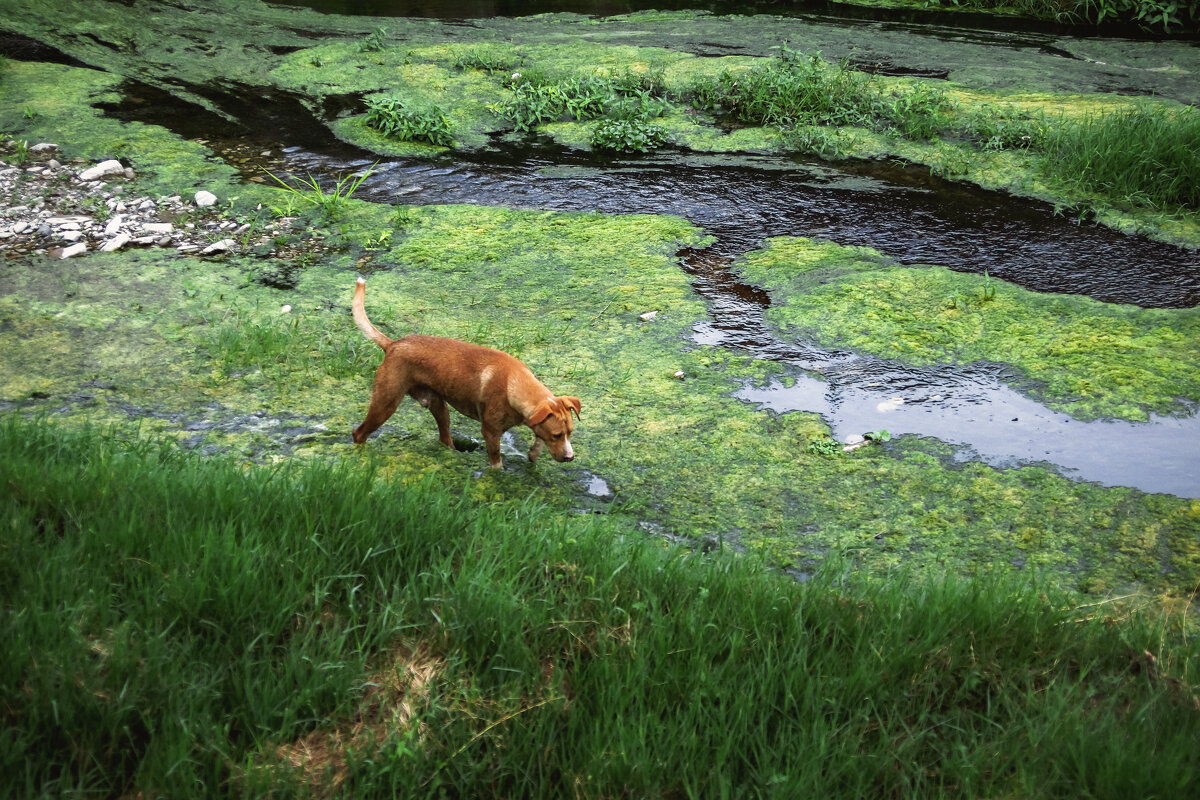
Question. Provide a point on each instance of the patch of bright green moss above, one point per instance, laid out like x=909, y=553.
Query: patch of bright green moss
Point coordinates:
x=54, y=103
x=1085, y=357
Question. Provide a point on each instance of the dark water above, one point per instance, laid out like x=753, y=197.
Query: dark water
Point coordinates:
x=909, y=216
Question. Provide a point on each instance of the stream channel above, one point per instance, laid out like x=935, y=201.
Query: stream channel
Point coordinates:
x=901, y=212
x=980, y=409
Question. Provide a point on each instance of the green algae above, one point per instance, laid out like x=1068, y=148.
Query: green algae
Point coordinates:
x=231, y=369
x=195, y=350
x=1084, y=357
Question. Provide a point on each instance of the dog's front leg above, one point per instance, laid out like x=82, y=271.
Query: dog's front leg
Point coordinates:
x=437, y=407
x=535, y=451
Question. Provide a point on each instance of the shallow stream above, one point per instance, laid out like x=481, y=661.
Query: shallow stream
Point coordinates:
x=909, y=216
x=902, y=212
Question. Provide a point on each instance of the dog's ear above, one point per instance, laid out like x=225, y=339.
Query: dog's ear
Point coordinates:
x=540, y=413
x=570, y=404
x=559, y=405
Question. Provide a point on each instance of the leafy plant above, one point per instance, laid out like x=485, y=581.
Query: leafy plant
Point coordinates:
x=878, y=436
x=401, y=119
x=489, y=58
x=374, y=41
x=21, y=151
x=628, y=135
x=825, y=446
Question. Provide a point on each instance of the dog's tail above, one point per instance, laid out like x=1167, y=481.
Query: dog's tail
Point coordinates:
x=360, y=316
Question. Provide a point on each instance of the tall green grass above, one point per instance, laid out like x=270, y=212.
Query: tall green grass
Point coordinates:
x=1145, y=157
x=795, y=89
x=169, y=622
x=1167, y=16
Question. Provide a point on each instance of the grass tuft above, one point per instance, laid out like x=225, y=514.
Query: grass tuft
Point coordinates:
x=1145, y=157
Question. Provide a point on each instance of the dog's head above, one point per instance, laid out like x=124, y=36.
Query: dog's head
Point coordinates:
x=551, y=422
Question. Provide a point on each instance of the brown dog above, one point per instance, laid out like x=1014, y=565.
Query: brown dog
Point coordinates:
x=481, y=383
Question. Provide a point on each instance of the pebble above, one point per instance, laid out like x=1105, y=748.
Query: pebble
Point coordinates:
x=115, y=243
x=102, y=170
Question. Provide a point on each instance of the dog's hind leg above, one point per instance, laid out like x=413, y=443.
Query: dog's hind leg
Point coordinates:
x=386, y=395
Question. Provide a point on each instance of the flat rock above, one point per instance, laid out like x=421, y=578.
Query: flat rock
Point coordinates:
x=102, y=170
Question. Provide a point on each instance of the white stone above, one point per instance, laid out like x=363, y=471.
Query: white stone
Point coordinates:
x=115, y=243
x=43, y=147
x=854, y=438
x=218, y=247
x=285, y=310
x=158, y=228
x=74, y=250
x=101, y=170
x=649, y=315
x=205, y=199
x=71, y=236
x=114, y=225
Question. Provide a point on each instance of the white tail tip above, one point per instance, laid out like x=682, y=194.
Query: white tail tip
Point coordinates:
x=362, y=280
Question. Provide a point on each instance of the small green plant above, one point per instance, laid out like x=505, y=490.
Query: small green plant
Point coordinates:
x=331, y=203
x=374, y=41
x=989, y=288
x=489, y=58
x=403, y=216
x=919, y=112
x=21, y=152
x=827, y=143
x=634, y=135
x=825, y=446
x=401, y=119
x=879, y=436
x=378, y=241
x=29, y=113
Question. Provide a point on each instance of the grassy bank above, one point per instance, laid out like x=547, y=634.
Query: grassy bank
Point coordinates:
x=202, y=627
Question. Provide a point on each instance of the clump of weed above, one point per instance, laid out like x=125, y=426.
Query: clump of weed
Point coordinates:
x=407, y=121
x=794, y=89
x=332, y=203
x=825, y=446
x=489, y=58
x=374, y=41
x=632, y=135
x=1146, y=157
x=627, y=103
x=996, y=128
x=534, y=99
